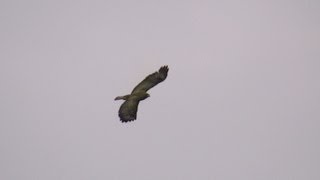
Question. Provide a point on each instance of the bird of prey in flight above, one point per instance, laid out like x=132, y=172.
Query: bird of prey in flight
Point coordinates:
x=128, y=110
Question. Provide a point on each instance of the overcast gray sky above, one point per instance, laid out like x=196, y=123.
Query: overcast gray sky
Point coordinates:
x=241, y=102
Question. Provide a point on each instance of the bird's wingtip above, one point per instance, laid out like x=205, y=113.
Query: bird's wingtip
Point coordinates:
x=164, y=68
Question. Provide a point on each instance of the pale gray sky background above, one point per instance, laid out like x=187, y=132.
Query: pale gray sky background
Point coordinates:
x=241, y=102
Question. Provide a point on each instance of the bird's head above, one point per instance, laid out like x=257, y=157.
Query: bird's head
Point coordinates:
x=144, y=96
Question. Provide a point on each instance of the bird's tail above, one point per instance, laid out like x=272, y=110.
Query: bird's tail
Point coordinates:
x=118, y=98
x=122, y=97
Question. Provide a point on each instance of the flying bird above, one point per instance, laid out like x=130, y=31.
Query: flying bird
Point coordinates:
x=128, y=110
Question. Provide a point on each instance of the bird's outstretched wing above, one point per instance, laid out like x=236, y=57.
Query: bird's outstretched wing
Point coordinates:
x=152, y=80
x=128, y=110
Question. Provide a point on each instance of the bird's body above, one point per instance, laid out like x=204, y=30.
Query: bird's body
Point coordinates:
x=128, y=110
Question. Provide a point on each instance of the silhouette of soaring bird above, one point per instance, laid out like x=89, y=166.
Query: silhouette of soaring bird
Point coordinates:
x=128, y=110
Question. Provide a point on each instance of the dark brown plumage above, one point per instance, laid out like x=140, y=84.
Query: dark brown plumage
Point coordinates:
x=128, y=110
